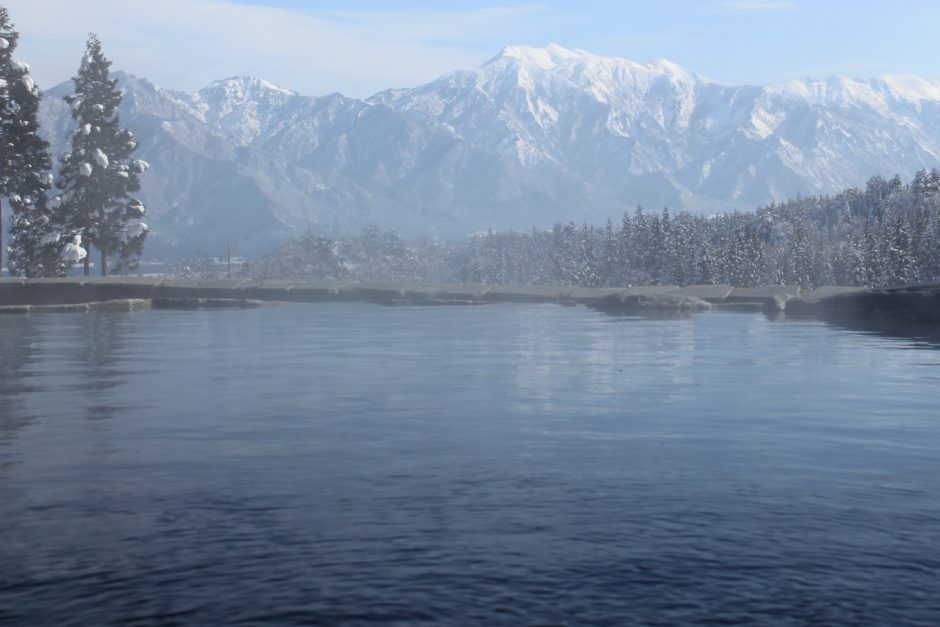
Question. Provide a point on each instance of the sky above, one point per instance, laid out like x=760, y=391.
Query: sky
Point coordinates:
x=361, y=47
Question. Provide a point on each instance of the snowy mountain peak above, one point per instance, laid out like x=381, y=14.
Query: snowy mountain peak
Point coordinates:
x=911, y=87
x=875, y=93
x=243, y=88
x=545, y=58
x=242, y=106
x=567, y=60
x=668, y=68
x=556, y=75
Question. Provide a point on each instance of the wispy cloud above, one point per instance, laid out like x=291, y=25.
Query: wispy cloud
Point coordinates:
x=186, y=44
x=744, y=7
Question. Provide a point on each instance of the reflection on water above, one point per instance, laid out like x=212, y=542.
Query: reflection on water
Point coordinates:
x=923, y=335
x=505, y=464
x=17, y=340
x=96, y=355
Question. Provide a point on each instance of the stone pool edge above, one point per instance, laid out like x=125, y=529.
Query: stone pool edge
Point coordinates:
x=914, y=304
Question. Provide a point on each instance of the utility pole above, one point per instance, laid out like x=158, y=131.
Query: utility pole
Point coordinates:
x=228, y=259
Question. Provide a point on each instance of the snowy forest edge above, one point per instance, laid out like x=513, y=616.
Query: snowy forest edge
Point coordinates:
x=886, y=234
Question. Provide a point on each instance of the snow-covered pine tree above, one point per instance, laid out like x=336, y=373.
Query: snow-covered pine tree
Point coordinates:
x=626, y=248
x=98, y=174
x=35, y=247
x=587, y=267
x=644, y=248
x=851, y=261
x=873, y=254
x=707, y=271
x=801, y=252
x=899, y=264
x=610, y=262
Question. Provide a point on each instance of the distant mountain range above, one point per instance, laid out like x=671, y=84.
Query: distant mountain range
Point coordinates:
x=533, y=136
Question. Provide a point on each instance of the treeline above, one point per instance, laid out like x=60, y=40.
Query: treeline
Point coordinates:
x=886, y=234
x=93, y=206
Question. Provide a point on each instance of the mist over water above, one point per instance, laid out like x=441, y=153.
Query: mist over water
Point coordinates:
x=499, y=464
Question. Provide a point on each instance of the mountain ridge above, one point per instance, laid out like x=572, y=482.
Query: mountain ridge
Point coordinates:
x=531, y=136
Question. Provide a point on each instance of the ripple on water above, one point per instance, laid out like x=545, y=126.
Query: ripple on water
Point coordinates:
x=348, y=463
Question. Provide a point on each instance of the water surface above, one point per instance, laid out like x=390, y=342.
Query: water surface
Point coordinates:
x=351, y=463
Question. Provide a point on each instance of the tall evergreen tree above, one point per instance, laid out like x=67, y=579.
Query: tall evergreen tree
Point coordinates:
x=35, y=244
x=98, y=175
x=801, y=252
x=899, y=267
x=707, y=271
x=610, y=262
x=626, y=248
x=873, y=256
x=851, y=262
x=587, y=268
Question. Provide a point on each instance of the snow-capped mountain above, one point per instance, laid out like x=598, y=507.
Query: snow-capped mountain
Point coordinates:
x=530, y=137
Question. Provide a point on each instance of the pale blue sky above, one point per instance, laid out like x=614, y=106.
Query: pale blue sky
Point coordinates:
x=360, y=47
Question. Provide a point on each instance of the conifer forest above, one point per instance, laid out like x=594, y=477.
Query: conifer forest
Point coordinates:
x=885, y=234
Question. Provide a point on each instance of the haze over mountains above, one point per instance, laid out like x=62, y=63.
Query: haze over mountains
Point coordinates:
x=531, y=137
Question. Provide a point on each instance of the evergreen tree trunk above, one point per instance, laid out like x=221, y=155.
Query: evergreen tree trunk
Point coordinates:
x=87, y=265
x=104, y=263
